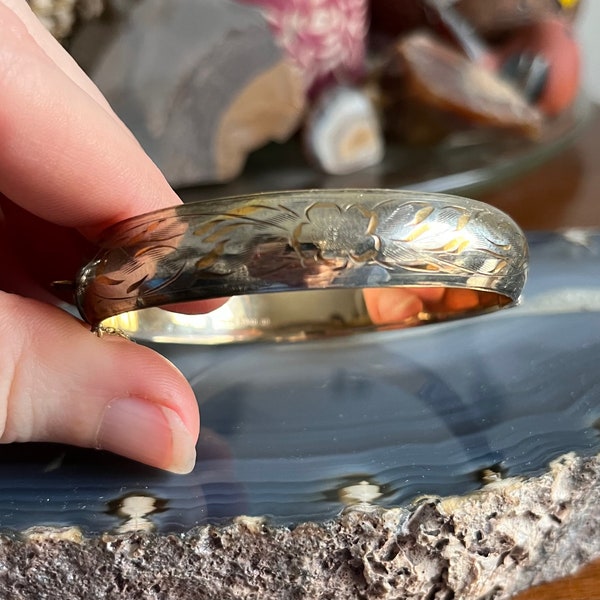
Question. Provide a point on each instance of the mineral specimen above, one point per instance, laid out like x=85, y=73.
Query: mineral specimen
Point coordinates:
x=200, y=84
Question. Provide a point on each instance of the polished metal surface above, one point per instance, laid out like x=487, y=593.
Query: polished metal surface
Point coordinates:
x=386, y=259
x=291, y=431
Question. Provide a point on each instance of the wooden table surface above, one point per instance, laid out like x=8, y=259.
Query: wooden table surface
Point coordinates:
x=564, y=192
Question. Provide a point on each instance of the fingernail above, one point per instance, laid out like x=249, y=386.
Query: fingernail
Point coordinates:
x=147, y=432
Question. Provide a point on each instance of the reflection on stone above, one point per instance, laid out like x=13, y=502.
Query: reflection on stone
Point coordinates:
x=361, y=492
x=135, y=511
x=491, y=474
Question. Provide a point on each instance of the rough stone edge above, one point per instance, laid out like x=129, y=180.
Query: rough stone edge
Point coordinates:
x=487, y=545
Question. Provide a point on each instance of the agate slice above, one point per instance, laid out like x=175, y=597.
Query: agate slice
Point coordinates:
x=342, y=132
x=297, y=432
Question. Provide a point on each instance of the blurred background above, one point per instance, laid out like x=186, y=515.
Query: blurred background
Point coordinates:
x=240, y=96
x=586, y=27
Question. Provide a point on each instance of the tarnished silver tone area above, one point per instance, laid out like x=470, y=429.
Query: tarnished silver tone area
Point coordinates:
x=305, y=240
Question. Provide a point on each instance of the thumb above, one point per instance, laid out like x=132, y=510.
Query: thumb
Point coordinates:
x=60, y=383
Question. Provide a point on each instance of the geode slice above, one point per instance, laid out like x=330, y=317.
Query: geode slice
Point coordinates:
x=489, y=544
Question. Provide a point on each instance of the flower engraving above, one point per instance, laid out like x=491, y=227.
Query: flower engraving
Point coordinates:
x=337, y=234
x=147, y=247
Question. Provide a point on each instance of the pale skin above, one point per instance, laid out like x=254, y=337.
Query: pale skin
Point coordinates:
x=67, y=160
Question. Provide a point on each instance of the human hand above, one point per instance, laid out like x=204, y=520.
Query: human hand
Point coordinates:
x=68, y=169
x=392, y=306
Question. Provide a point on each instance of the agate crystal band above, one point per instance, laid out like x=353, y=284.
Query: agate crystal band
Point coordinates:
x=384, y=258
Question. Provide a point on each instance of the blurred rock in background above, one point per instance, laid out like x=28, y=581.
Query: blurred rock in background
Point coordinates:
x=200, y=84
x=60, y=16
x=203, y=83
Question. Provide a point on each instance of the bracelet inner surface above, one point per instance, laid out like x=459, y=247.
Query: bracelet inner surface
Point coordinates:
x=305, y=315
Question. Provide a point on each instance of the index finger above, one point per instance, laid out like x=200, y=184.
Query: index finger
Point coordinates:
x=55, y=51
x=63, y=157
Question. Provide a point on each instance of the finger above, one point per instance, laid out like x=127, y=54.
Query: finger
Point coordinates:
x=43, y=251
x=61, y=157
x=60, y=383
x=56, y=52
x=458, y=300
x=193, y=307
x=389, y=306
x=35, y=253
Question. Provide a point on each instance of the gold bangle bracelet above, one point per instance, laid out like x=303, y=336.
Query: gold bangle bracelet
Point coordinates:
x=363, y=260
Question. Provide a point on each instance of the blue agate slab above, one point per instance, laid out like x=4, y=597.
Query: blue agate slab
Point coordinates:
x=289, y=429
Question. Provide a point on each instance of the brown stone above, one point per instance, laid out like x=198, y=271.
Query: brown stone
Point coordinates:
x=427, y=85
x=200, y=84
x=267, y=109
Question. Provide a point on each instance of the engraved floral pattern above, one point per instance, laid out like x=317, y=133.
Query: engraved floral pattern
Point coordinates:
x=331, y=232
x=303, y=240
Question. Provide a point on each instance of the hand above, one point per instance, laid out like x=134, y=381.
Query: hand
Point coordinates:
x=68, y=169
x=393, y=306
